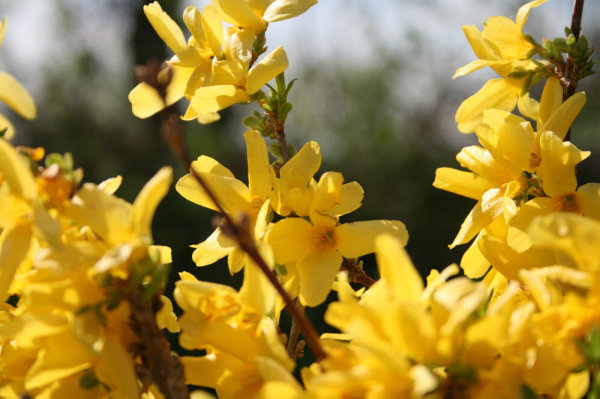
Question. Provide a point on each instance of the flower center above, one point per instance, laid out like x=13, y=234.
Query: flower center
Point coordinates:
x=323, y=238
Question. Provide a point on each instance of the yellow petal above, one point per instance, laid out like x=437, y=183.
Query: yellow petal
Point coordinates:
x=478, y=64
x=506, y=38
x=117, y=363
x=213, y=28
x=284, y=9
x=481, y=48
x=2, y=29
x=232, y=194
x=111, y=185
x=162, y=252
x=148, y=199
x=238, y=13
x=16, y=97
x=14, y=245
x=207, y=371
x=529, y=107
x=165, y=318
x=205, y=164
x=588, y=198
x=463, y=183
x=517, y=237
x=62, y=356
x=259, y=175
x=481, y=161
x=166, y=28
x=523, y=12
x=256, y=289
x=107, y=215
x=557, y=169
x=15, y=172
x=327, y=193
x=192, y=18
x=496, y=93
x=562, y=118
x=179, y=80
x=211, y=99
x=473, y=263
x=290, y=239
x=351, y=196
x=552, y=98
x=358, y=238
x=269, y=67
x=317, y=272
x=145, y=100
x=300, y=169
x=484, y=213
x=397, y=269
x=215, y=247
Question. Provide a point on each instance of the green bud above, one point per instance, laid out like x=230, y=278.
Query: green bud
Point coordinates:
x=281, y=269
x=275, y=150
x=291, y=150
x=3, y=131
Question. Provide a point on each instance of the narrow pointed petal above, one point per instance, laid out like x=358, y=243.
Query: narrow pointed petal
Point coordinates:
x=165, y=27
x=16, y=97
x=118, y=364
x=232, y=194
x=478, y=64
x=588, y=198
x=358, y=238
x=484, y=213
x=15, y=172
x=467, y=184
x=259, y=175
x=562, y=118
x=529, y=107
x=269, y=67
x=148, y=199
x=496, y=93
x=317, y=272
x=14, y=244
x=327, y=193
x=213, y=28
x=550, y=101
x=284, y=9
x=215, y=247
x=523, y=12
x=397, y=269
x=300, y=169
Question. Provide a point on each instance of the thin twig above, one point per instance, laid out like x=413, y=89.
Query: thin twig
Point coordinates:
x=570, y=77
x=356, y=274
x=246, y=243
x=294, y=335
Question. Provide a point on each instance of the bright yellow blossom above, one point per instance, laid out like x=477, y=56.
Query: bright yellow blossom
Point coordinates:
x=212, y=69
x=503, y=47
x=318, y=247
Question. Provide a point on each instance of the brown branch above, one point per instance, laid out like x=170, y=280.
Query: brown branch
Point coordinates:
x=294, y=335
x=570, y=77
x=356, y=274
x=158, y=363
x=241, y=234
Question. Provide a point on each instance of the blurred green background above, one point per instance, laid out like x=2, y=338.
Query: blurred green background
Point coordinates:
x=374, y=88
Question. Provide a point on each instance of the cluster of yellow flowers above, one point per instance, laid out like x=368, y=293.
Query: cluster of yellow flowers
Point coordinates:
x=81, y=281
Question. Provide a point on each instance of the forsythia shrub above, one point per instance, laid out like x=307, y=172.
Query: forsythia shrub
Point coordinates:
x=82, y=282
